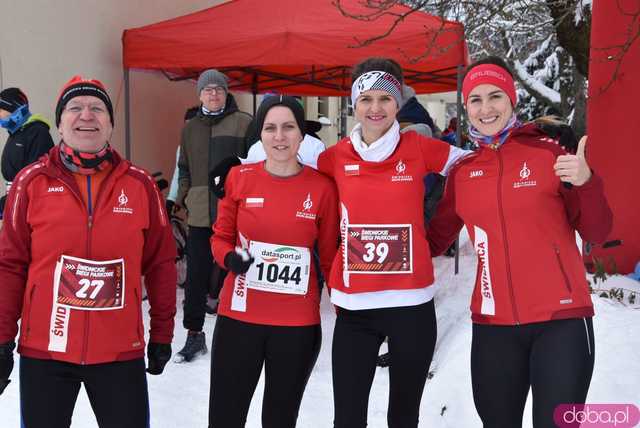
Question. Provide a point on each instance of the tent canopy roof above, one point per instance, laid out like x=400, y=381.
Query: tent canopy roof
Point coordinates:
x=302, y=48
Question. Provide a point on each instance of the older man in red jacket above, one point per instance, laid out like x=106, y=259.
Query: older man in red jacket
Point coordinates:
x=81, y=228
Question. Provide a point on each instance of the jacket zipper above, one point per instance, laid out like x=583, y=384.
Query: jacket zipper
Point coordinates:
x=88, y=249
x=139, y=306
x=564, y=273
x=90, y=209
x=504, y=240
x=28, y=326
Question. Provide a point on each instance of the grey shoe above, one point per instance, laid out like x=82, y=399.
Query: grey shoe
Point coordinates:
x=195, y=346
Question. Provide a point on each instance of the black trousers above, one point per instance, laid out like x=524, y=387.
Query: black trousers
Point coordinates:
x=553, y=358
x=356, y=341
x=117, y=393
x=199, y=269
x=241, y=349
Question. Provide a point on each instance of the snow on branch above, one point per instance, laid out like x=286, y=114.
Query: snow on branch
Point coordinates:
x=532, y=59
x=535, y=85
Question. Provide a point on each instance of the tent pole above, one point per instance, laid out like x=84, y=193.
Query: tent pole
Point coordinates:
x=343, y=117
x=458, y=143
x=127, y=116
x=254, y=103
x=254, y=89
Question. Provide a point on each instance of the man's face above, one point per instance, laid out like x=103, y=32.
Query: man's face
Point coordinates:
x=213, y=97
x=4, y=114
x=85, y=124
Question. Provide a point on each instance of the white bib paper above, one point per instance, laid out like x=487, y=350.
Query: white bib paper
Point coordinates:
x=279, y=268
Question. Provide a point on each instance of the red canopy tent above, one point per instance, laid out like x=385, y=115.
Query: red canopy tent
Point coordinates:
x=302, y=48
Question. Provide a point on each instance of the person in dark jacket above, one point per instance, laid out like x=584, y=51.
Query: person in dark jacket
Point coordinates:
x=29, y=136
x=217, y=132
x=412, y=112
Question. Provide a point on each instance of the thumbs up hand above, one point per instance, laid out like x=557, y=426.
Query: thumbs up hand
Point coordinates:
x=574, y=168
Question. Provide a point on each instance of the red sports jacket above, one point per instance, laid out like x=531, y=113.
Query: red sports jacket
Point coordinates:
x=522, y=221
x=288, y=213
x=46, y=217
x=382, y=204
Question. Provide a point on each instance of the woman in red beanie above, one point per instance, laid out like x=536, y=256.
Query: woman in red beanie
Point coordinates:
x=522, y=197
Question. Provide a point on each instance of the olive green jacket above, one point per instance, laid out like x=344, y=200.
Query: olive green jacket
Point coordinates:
x=206, y=140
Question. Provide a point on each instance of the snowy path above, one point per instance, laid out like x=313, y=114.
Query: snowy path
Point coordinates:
x=179, y=397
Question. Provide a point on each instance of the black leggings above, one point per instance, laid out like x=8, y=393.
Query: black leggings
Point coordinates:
x=554, y=358
x=117, y=393
x=288, y=354
x=356, y=341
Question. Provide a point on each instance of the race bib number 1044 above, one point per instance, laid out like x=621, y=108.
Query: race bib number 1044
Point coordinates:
x=279, y=268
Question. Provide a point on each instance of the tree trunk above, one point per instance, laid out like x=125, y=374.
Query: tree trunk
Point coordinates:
x=574, y=38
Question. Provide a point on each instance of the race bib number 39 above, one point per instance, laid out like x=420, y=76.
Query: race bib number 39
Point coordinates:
x=90, y=285
x=279, y=268
x=379, y=248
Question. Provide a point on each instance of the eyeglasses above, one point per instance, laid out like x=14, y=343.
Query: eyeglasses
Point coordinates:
x=79, y=108
x=219, y=90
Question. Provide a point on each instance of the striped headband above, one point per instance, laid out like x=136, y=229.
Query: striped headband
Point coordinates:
x=379, y=80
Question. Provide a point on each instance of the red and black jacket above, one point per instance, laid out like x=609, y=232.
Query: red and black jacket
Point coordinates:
x=45, y=217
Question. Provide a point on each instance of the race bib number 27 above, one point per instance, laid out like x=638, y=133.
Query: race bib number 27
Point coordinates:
x=86, y=285
x=379, y=248
x=90, y=285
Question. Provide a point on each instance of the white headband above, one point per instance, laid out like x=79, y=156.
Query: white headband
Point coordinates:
x=376, y=80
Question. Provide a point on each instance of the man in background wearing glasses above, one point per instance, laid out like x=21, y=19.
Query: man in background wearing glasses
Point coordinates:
x=217, y=132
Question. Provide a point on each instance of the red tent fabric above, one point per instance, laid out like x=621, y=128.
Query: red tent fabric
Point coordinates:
x=612, y=148
x=296, y=47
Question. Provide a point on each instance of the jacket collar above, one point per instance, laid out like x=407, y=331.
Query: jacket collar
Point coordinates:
x=54, y=167
x=230, y=107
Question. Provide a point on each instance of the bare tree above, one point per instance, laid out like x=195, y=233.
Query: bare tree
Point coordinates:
x=546, y=42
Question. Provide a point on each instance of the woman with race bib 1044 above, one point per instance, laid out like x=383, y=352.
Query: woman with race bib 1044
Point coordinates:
x=271, y=217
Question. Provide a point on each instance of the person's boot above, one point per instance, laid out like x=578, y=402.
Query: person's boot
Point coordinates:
x=195, y=346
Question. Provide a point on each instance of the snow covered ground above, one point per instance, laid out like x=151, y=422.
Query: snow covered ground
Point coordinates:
x=179, y=397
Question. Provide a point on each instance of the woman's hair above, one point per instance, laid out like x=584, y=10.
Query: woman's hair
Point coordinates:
x=495, y=60
x=377, y=64
x=280, y=100
x=552, y=120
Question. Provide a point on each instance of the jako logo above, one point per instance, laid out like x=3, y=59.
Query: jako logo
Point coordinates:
x=477, y=173
x=596, y=415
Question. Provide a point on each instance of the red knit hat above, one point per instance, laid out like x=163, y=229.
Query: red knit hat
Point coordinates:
x=79, y=86
x=490, y=74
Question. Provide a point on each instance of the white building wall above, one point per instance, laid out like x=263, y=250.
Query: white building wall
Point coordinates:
x=45, y=42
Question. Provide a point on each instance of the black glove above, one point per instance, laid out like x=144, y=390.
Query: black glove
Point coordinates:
x=238, y=261
x=6, y=364
x=169, y=204
x=158, y=355
x=563, y=133
x=218, y=175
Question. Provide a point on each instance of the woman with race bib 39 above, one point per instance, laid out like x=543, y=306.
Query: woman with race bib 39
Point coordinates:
x=381, y=279
x=272, y=215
